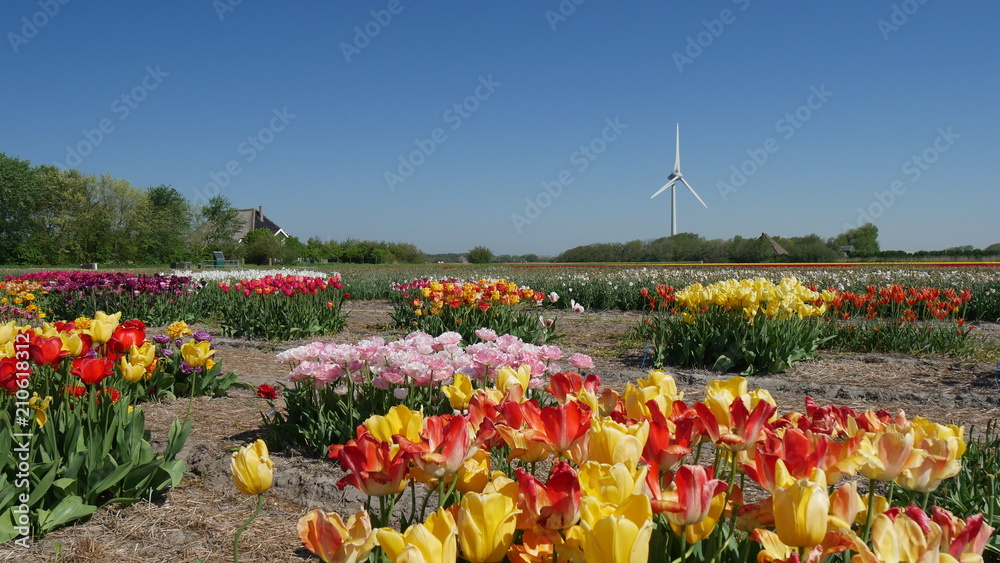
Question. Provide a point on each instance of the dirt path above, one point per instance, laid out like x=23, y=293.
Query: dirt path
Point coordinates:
x=198, y=519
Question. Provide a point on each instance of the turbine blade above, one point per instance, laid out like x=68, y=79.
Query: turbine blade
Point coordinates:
x=677, y=160
x=694, y=192
x=661, y=190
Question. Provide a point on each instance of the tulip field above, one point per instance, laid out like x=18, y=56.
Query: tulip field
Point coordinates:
x=521, y=413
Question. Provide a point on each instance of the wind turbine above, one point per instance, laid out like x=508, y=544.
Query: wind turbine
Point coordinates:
x=672, y=180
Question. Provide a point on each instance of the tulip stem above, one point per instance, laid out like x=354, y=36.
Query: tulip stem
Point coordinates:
x=239, y=532
x=871, y=510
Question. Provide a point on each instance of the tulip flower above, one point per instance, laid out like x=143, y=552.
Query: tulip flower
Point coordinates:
x=486, y=524
x=891, y=453
x=534, y=548
x=47, y=351
x=144, y=355
x=252, y=469
x=432, y=541
x=7, y=332
x=127, y=334
x=399, y=420
x=92, y=370
x=197, y=354
x=668, y=442
x=801, y=510
x=690, y=498
x=553, y=505
x=131, y=372
x=611, y=442
x=474, y=473
x=611, y=484
x=253, y=473
x=623, y=536
x=76, y=344
x=178, y=330
x=514, y=383
x=334, y=541
x=561, y=426
x=459, y=392
x=39, y=405
x=374, y=467
x=445, y=447
x=103, y=326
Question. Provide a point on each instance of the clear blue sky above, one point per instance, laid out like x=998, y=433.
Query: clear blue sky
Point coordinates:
x=340, y=110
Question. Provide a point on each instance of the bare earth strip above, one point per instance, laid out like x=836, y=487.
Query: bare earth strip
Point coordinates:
x=199, y=518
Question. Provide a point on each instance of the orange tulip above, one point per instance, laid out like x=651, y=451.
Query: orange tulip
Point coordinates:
x=326, y=535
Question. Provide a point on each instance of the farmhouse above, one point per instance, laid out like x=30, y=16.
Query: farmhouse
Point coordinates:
x=254, y=218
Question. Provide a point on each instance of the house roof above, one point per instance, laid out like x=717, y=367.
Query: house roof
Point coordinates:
x=254, y=218
x=777, y=248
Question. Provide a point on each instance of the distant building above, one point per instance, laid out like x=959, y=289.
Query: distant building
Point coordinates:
x=775, y=247
x=253, y=219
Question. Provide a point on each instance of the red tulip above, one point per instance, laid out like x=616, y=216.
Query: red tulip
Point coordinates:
x=445, y=447
x=559, y=425
x=127, y=334
x=47, y=351
x=92, y=370
x=689, y=502
x=746, y=426
x=668, y=442
x=553, y=505
x=375, y=467
x=9, y=379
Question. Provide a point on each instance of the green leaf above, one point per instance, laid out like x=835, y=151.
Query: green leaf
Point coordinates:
x=69, y=509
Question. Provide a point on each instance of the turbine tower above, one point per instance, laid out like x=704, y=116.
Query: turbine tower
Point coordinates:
x=672, y=180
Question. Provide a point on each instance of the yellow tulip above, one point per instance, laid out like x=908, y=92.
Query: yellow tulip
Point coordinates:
x=432, y=541
x=7, y=332
x=622, y=536
x=39, y=405
x=144, y=355
x=891, y=453
x=46, y=331
x=334, y=541
x=694, y=533
x=103, y=326
x=508, y=377
x=611, y=484
x=611, y=442
x=196, y=354
x=486, y=523
x=459, y=392
x=72, y=343
x=474, y=473
x=399, y=420
x=942, y=462
x=131, y=372
x=801, y=510
x=253, y=470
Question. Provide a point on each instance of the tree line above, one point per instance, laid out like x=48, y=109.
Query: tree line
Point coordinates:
x=52, y=216
x=860, y=243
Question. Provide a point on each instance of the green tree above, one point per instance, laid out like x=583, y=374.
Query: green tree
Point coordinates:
x=864, y=239
x=63, y=216
x=220, y=223
x=167, y=232
x=20, y=188
x=480, y=255
x=260, y=246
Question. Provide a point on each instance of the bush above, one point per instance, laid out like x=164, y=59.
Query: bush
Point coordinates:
x=480, y=255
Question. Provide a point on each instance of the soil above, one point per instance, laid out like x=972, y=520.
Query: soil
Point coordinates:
x=197, y=520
